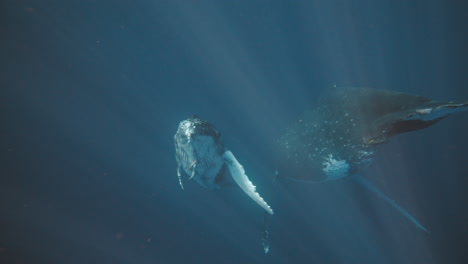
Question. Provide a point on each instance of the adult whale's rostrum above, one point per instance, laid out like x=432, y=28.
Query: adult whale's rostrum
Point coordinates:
x=202, y=156
x=340, y=136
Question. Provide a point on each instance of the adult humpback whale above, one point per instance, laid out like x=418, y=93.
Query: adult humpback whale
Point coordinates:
x=340, y=136
x=202, y=156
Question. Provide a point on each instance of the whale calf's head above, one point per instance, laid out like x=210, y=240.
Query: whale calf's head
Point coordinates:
x=193, y=127
x=199, y=151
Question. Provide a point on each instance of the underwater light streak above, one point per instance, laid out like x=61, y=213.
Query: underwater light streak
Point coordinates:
x=226, y=59
x=372, y=188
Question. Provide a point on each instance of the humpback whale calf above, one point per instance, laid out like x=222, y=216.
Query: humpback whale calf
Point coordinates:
x=202, y=156
x=340, y=136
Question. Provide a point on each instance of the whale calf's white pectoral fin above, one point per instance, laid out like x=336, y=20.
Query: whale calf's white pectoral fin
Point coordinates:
x=238, y=174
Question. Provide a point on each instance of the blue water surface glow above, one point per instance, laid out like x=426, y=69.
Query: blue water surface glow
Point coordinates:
x=92, y=93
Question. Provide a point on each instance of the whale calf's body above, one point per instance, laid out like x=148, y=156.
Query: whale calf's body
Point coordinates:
x=202, y=156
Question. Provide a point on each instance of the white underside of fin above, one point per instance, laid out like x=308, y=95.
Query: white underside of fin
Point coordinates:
x=238, y=174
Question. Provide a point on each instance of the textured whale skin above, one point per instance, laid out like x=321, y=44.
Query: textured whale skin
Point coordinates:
x=199, y=152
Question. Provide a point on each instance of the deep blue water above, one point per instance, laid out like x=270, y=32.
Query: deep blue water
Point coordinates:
x=92, y=93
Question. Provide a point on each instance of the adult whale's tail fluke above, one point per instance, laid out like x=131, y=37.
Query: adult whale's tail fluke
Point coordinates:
x=369, y=186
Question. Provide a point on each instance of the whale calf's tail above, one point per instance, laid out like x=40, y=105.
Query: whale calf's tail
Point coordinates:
x=369, y=186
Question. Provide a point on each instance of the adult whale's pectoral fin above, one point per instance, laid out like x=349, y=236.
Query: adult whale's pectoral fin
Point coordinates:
x=425, y=116
x=369, y=186
x=238, y=174
x=437, y=112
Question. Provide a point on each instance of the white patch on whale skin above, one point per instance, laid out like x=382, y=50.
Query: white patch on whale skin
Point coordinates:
x=335, y=169
x=424, y=111
x=432, y=113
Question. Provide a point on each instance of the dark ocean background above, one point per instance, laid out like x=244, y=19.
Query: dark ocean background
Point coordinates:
x=92, y=92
